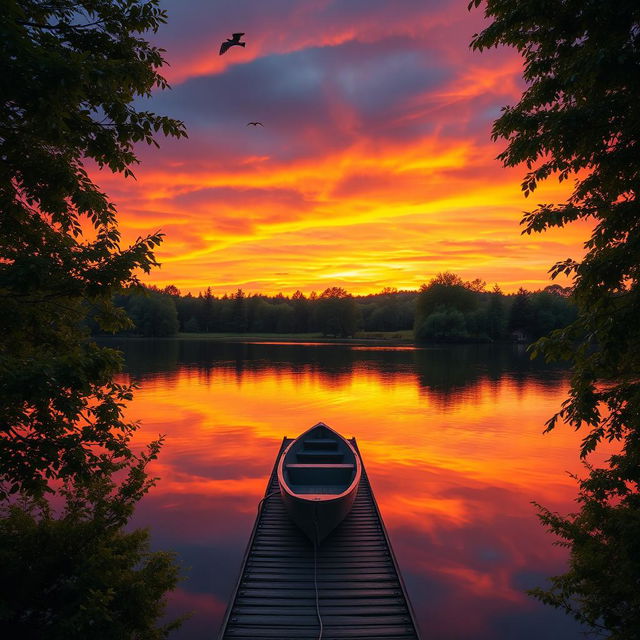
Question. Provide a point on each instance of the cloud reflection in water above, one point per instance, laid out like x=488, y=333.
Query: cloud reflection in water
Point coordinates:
x=451, y=438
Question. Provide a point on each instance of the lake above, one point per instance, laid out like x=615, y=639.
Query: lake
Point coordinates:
x=451, y=438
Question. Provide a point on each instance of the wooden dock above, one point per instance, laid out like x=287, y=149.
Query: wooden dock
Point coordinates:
x=361, y=593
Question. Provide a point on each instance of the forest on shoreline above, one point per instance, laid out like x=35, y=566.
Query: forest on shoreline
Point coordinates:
x=447, y=309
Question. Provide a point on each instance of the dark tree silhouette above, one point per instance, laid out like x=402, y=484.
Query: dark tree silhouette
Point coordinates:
x=336, y=313
x=71, y=76
x=520, y=315
x=578, y=119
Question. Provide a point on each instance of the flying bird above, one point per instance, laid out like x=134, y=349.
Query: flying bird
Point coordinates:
x=255, y=124
x=230, y=42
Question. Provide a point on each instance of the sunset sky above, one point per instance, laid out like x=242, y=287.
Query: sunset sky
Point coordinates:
x=374, y=167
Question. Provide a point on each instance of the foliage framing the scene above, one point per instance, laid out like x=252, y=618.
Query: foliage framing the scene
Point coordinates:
x=578, y=119
x=71, y=74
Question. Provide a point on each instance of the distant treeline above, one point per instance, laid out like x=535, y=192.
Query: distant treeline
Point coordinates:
x=447, y=309
x=451, y=310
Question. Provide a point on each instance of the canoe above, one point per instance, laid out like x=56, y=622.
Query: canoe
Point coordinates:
x=318, y=475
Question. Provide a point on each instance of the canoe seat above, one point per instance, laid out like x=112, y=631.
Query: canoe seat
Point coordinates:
x=320, y=466
x=320, y=443
x=320, y=456
x=320, y=474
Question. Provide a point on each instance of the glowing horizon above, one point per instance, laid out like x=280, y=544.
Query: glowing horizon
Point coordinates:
x=374, y=168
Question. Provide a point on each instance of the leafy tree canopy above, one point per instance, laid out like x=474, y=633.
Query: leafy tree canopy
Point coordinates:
x=335, y=292
x=71, y=74
x=153, y=315
x=446, y=290
x=578, y=118
x=71, y=71
x=337, y=312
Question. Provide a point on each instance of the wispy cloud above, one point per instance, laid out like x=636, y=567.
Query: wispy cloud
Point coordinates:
x=374, y=167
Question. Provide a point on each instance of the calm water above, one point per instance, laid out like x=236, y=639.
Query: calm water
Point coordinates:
x=451, y=438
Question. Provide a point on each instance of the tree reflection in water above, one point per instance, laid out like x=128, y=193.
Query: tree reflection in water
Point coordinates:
x=451, y=438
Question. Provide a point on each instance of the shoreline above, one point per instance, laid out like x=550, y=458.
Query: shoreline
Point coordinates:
x=377, y=339
x=393, y=340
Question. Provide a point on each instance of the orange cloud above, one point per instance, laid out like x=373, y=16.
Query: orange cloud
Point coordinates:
x=401, y=213
x=374, y=168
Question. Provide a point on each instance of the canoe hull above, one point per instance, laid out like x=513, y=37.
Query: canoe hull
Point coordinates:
x=318, y=518
x=318, y=475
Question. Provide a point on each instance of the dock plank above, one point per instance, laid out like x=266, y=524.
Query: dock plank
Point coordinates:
x=360, y=590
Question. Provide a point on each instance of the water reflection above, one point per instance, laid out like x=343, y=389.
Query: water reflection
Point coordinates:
x=451, y=438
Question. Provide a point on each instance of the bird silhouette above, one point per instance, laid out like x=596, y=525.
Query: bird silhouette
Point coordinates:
x=230, y=42
x=255, y=124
